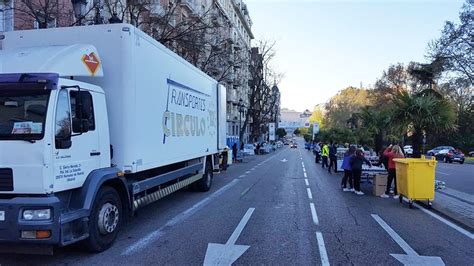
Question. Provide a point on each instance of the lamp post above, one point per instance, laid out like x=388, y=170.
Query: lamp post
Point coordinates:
x=241, y=110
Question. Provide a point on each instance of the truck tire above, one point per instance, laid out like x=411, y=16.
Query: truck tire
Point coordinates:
x=105, y=220
x=205, y=183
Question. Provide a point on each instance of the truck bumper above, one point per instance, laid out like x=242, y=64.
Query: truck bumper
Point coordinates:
x=12, y=224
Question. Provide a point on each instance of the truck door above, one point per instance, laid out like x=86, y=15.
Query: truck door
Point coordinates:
x=76, y=151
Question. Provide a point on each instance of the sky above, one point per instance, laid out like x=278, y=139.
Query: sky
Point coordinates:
x=324, y=46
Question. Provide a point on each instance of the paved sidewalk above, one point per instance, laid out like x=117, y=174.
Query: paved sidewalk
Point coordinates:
x=455, y=204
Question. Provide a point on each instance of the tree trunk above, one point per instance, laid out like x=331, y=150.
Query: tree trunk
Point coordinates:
x=417, y=142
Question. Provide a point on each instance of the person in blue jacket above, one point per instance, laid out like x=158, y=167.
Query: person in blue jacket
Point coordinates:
x=346, y=165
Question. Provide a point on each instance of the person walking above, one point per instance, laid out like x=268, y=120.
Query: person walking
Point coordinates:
x=234, y=152
x=324, y=155
x=356, y=162
x=391, y=153
x=346, y=165
x=333, y=157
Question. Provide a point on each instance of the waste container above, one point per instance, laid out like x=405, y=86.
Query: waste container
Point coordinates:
x=416, y=179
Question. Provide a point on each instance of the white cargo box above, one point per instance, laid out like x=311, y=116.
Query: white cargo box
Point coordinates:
x=161, y=109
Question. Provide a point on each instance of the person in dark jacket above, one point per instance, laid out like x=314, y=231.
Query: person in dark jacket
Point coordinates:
x=356, y=162
x=234, y=152
x=347, y=170
x=333, y=157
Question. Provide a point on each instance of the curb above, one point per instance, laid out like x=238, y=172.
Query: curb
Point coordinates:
x=446, y=216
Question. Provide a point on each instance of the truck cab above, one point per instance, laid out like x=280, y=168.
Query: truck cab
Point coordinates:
x=53, y=134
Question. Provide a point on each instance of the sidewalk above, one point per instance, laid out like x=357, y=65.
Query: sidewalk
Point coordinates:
x=456, y=205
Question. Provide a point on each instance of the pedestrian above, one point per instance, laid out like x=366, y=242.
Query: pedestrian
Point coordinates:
x=333, y=157
x=356, y=162
x=242, y=146
x=324, y=155
x=391, y=153
x=317, y=152
x=258, y=148
x=234, y=152
x=346, y=165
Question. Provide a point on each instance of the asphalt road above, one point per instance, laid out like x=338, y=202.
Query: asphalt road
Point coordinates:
x=287, y=211
x=457, y=176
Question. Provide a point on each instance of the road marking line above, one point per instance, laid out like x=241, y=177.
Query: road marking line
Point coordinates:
x=302, y=164
x=248, y=172
x=241, y=176
x=144, y=241
x=304, y=169
x=310, y=195
x=448, y=223
x=404, y=245
x=322, y=249
x=305, y=175
x=307, y=183
x=245, y=191
x=235, y=235
x=313, y=213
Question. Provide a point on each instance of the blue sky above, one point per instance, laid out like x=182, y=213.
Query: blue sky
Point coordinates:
x=325, y=46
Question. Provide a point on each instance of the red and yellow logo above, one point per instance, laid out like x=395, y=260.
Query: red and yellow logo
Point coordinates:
x=92, y=62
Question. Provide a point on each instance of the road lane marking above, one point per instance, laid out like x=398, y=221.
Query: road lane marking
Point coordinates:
x=226, y=254
x=310, y=195
x=322, y=249
x=404, y=245
x=411, y=257
x=302, y=164
x=304, y=169
x=245, y=192
x=240, y=227
x=305, y=175
x=241, y=176
x=313, y=214
x=307, y=183
x=146, y=240
x=248, y=172
x=448, y=223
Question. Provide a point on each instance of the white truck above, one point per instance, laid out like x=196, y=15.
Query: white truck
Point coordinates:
x=96, y=122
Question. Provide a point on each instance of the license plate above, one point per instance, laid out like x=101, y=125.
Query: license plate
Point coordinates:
x=457, y=159
x=2, y=216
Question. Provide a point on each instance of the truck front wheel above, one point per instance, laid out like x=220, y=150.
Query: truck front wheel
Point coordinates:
x=205, y=183
x=105, y=220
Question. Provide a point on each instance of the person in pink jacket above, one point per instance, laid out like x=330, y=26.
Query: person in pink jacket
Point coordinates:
x=392, y=152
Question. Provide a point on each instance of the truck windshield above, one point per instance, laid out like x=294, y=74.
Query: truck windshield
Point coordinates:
x=23, y=111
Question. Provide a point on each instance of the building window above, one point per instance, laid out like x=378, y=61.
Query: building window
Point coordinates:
x=6, y=16
x=51, y=23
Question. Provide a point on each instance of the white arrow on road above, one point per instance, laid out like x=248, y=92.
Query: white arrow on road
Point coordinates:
x=226, y=254
x=284, y=160
x=412, y=258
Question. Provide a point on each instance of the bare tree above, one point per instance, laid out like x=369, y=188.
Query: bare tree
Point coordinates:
x=262, y=96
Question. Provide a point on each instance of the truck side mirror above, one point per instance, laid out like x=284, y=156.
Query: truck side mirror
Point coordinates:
x=80, y=125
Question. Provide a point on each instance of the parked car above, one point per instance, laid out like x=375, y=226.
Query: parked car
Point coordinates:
x=265, y=148
x=454, y=156
x=249, y=149
x=436, y=150
x=294, y=145
x=408, y=150
x=471, y=154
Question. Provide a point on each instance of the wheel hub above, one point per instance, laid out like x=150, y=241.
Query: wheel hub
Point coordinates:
x=108, y=218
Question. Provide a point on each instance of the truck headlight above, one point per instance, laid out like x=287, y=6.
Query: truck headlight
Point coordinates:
x=34, y=215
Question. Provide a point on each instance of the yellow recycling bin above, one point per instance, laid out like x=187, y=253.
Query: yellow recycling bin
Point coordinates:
x=416, y=179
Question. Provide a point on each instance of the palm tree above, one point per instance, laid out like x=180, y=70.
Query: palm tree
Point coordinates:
x=423, y=112
x=376, y=122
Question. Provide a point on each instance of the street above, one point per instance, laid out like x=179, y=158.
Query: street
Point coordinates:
x=289, y=219
x=457, y=176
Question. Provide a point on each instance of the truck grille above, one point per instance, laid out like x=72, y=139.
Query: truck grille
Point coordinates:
x=6, y=179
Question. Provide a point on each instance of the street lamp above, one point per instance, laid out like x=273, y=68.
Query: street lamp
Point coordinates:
x=241, y=110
